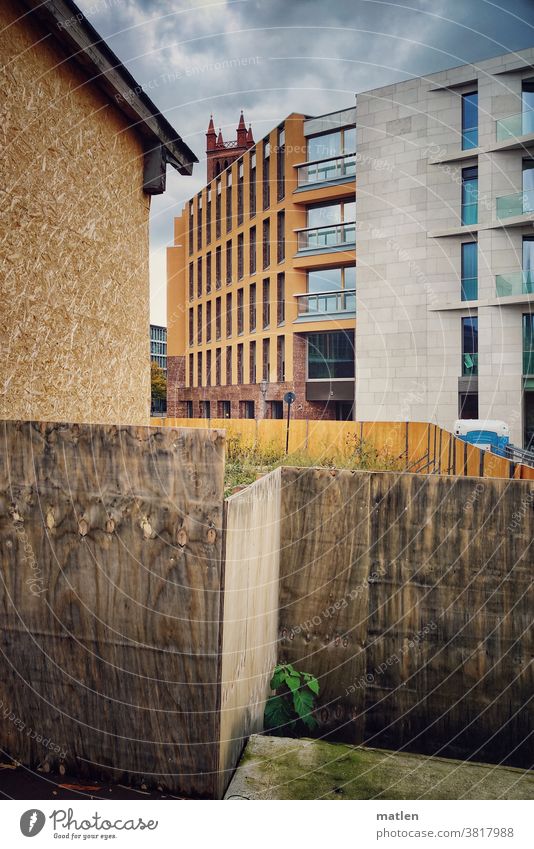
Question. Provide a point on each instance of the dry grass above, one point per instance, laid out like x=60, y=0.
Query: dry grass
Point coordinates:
x=245, y=461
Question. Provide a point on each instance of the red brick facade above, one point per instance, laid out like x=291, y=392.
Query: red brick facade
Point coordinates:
x=178, y=394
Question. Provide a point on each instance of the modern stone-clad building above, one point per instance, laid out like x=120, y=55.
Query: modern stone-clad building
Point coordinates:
x=444, y=216
x=83, y=150
x=261, y=276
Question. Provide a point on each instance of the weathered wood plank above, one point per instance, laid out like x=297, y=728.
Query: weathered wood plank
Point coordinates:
x=250, y=619
x=111, y=541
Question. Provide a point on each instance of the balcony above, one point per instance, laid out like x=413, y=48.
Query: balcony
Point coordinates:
x=326, y=170
x=324, y=305
x=514, y=283
x=325, y=238
x=512, y=206
x=515, y=126
x=469, y=365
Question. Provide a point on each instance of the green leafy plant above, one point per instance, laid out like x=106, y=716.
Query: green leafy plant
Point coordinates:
x=293, y=702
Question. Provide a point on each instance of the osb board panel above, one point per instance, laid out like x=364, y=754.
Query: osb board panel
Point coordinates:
x=324, y=586
x=74, y=302
x=450, y=619
x=111, y=541
x=411, y=598
x=250, y=617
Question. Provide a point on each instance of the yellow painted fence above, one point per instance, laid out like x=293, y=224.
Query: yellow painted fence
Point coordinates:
x=418, y=446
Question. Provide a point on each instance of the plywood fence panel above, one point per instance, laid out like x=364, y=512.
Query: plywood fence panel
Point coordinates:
x=450, y=621
x=410, y=597
x=111, y=542
x=324, y=584
x=250, y=615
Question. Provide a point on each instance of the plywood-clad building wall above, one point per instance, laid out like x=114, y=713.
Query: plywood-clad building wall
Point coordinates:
x=111, y=567
x=74, y=302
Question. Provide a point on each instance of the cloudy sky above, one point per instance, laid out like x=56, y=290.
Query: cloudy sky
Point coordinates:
x=272, y=57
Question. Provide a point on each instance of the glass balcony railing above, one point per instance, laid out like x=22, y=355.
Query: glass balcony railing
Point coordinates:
x=326, y=170
x=469, y=364
x=331, y=236
x=469, y=288
x=514, y=283
x=520, y=203
x=469, y=213
x=326, y=303
x=515, y=126
x=528, y=363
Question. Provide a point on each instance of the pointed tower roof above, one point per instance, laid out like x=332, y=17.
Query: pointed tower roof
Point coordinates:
x=250, y=137
x=211, y=127
x=220, y=142
x=241, y=125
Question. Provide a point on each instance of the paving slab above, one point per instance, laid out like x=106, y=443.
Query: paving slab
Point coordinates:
x=282, y=768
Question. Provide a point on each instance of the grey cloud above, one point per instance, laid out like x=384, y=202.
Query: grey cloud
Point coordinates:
x=312, y=56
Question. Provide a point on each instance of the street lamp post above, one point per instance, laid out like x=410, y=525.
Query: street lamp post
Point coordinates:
x=264, y=385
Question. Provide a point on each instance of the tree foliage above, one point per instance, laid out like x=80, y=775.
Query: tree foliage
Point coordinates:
x=158, y=382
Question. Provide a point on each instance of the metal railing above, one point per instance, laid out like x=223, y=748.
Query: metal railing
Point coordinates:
x=469, y=288
x=327, y=303
x=514, y=283
x=515, y=126
x=519, y=203
x=469, y=213
x=528, y=363
x=326, y=170
x=330, y=236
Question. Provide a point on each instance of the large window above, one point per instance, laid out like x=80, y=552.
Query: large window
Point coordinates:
x=528, y=344
x=252, y=307
x=229, y=314
x=280, y=236
x=208, y=321
x=329, y=291
x=528, y=186
x=469, y=346
x=240, y=255
x=229, y=261
x=208, y=272
x=469, y=271
x=208, y=216
x=469, y=196
x=328, y=225
x=240, y=321
x=252, y=251
x=527, y=103
x=228, y=201
x=331, y=156
x=266, y=175
x=252, y=183
x=218, y=210
x=252, y=363
x=240, y=171
x=528, y=264
x=266, y=243
x=332, y=144
x=280, y=164
x=266, y=303
x=199, y=222
x=469, y=120
x=331, y=355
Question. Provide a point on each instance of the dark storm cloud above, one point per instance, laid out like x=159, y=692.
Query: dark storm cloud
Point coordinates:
x=279, y=56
